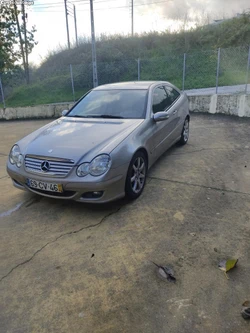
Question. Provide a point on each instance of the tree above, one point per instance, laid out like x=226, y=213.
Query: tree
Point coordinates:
x=12, y=39
x=9, y=55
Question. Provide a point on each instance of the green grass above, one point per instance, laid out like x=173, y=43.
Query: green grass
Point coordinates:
x=48, y=91
x=161, y=57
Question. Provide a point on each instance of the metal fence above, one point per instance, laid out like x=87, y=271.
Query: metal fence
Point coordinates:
x=200, y=72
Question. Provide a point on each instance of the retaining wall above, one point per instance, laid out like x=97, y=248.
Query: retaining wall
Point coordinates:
x=237, y=105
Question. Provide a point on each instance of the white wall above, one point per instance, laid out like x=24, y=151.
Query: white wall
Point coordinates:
x=237, y=105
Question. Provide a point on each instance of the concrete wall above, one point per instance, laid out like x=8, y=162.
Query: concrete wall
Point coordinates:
x=33, y=112
x=237, y=105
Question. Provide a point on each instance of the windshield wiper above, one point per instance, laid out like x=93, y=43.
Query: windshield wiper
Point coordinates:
x=78, y=116
x=108, y=116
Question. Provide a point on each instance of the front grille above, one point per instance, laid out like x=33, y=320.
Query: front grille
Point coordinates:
x=58, y=167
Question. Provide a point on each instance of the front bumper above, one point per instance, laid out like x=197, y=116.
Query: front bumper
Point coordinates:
x=74, y=189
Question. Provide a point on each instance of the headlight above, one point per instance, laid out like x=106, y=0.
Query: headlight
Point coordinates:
x=83, y=170
x=15, y=156
x=98, y=166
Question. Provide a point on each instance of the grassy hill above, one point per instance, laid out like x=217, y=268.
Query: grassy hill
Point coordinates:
x=161, y=56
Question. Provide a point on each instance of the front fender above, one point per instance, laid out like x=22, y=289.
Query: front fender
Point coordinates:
x=141, y=138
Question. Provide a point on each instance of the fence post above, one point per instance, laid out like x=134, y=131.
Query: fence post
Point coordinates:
x=2, y=93
x=139, y=68
x=248, y=65
x=72, y=82
x=218, y=71
x=184, y=72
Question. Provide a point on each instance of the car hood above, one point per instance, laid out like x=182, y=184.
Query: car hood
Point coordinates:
x=77, y=138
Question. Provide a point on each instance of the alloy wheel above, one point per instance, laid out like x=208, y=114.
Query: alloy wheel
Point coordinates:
x=138, y=175
x=186, y=130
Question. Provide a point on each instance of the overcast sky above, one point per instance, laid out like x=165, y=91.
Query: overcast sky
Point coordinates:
x=215, y=8
x=114, y=16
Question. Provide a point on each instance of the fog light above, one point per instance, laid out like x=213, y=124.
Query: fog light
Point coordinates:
x=92, y=195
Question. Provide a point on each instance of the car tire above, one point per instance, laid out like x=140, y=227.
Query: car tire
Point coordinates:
x=136, y=176
x=185, y=133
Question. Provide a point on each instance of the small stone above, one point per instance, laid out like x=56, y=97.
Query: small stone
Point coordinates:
x=81, y=315
x=208, y=198
x=215, y=249
x=193, y=234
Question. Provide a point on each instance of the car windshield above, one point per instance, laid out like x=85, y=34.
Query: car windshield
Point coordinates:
x=116, y=104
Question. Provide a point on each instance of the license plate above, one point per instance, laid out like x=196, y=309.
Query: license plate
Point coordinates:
x=39, y=185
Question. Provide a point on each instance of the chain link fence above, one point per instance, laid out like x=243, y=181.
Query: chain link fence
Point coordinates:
x=235, y=59
x=200, y=72
x=169, y=68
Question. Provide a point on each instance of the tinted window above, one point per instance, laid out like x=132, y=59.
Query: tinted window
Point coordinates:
x=163, y=98
x=172, y=93
x=160, y=100
x=128, y=104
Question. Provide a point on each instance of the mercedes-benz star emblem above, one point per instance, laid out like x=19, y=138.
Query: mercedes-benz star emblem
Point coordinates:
x=45, y=166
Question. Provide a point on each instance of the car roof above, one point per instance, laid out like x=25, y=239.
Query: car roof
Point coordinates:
x=129, y=85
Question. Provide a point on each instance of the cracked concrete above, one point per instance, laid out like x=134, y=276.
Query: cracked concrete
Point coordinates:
x=64, y=270
x=197, y=185
x=199, y=150
x=55, y=240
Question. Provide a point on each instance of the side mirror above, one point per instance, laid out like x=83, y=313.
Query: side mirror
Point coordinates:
x=160, y=116
x=64, y=112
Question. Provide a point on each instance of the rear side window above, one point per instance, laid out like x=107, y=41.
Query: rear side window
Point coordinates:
x=163, y=98
x=172, y=93
x=160, y=99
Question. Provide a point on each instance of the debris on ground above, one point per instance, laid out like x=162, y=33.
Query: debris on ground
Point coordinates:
x=165, y=272
x=245, y=312
x=227, y=265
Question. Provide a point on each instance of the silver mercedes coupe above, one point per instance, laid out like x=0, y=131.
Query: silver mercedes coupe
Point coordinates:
x=102, y=148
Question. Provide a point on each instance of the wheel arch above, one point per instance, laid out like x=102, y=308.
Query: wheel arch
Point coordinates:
x=144, y=151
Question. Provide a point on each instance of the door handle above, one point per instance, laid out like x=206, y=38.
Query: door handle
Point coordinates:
x=175, y=111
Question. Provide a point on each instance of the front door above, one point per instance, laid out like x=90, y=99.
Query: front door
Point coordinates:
x=164, y=130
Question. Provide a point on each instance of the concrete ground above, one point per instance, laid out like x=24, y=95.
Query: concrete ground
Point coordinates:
x=71, y=267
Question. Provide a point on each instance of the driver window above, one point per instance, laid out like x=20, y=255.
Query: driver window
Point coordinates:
x=160, y=100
